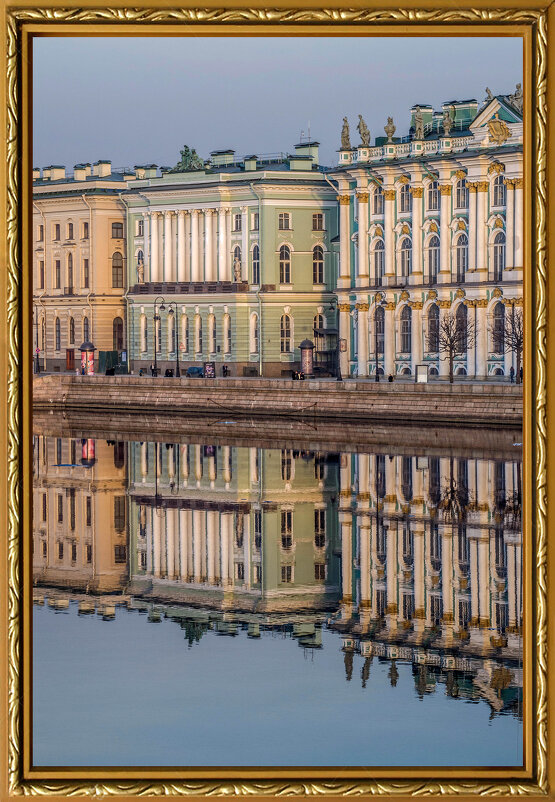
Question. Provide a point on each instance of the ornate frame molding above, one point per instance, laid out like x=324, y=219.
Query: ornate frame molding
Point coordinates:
x=16, y=18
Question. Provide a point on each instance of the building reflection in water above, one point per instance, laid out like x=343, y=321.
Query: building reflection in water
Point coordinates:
x=414, y=559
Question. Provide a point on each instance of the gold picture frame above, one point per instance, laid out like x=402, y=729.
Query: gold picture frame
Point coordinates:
x=529, y=20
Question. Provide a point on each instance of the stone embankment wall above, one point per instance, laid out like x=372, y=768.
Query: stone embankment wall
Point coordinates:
x=468, y=404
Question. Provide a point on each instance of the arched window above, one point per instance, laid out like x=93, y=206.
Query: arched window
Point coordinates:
x=198, y=334
x=461, y=320
x=405, y=198
x=317, y=265
x=117, y=330
x=58, y=335
x=406, y=257
x=71, y=331
x=433, y=329
x=433, y=259
x=432, y=196
x=318, y=326
x=144, y=334
x=461, y=249
x=285, y=330
x=227, y=334
x=117, y=270
x=158, y=332
x=379, y=262
x=256, y=265
x=379, y=322
x=378, y=201
x=499, y=193
x=86, y=332
x=70, y=272
x=185, y=333
x=498, y=256
x=406, y=321
x=212, y=334
x=284, y=265
x=461, y=194
x=254, y=345
x=498, y=329
x=140, y=256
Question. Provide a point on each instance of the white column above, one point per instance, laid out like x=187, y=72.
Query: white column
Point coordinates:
x=189, y=530
x=417, y=193
x=445, y=235
x=229, y=272
x=345, y=334
x=247, y=550
x=364, y=530
x=447, y=573
x=154, y=267
x=519, y=245
x=188, y=246
x=471, y=226
x=389, y=237
x=481, y=339
x=364, y=474
x=183, y=545
x=419, y=571
x=222, y=247
x=362, y=339
x=156, y=543
x=481, y=229
x=181, y=246
x=416, y=335
x=362, y=262
x=389, y=337
x=484, y=574
x=208, y=259
x=170, y=543
x=146, y=242
x=197, y=545
x=227, y=525
x=149, y=541
x=144, y=460
x=244, y=243
x=346, y=559
x=195, y=265
x=167, y=246
x=391, y=569
x=344, y=279
x=211, y=518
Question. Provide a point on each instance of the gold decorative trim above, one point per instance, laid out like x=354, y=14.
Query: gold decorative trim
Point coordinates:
x=445, y=189
x=417, y=192
x=496, y=167
x=460, y=174
x=389, y=194
x=344, y=200
x=537, y=20
x=362, y=197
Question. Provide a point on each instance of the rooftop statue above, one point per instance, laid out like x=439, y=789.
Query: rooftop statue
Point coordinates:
x=489, y=94
x=447, y=123
x=364, y=132
x=190, y=160
x=389, y=129
x=418, y=124
x=517, y=99
x=345, y=136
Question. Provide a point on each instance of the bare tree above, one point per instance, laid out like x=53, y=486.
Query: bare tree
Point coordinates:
x=454, y=336
x=513, y=336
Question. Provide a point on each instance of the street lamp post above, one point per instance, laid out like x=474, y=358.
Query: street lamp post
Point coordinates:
x=156, y=319
x=175, y=335
x=378, y=305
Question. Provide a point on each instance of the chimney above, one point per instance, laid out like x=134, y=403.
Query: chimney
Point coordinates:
x=102, y=168
x=80, y=172
x=36, y=173
x=57, y=172
x=46, y=173
x=250, y=163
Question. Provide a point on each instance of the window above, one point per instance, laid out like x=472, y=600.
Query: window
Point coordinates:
x=86, y=229
x=227, y=334
x=462, y=257
x=433, y=329
x=284, y=221
x=60, y=508
x=319, y=528
x=71, y=331
x=140, y=228
x=257, y=529
x=319, y=571
x=171, y=333
x=212, y=333
x=378, y=201
x=119, y=513
x=286, y=464
x=286, y=529
x=41, y=275
x=117, y=230
x=44, y=548
x=498, y=256
x=44, y=506
x=254, y=346
x=57, y=275
x=433, y=196
x=58, y=451
x=285, y=334
x=255, y=221
x=117, y=331
x=284, y=265
x=318, y=265
x=256, y=265
x=40, y=237
x=406, y=478
x=499, y=191
x=72, y=509
x=198, y=334
x=406, y=321
x=237, y=222
x=70, y=272
x=379, y=322
x=73, y=453
x=117, y=270
x=88, y=510
x=433, y=259
x=144, y=334
x=185, y=333
x=57, y=232
x=406, y=257
x=286, y=573
x=86, y=273
x=405, y=198
x=499, y=328
x=434, y=485
x=239, y=571
x=120, y=554
x=60, y=550
x=379, y=262
x=86, y=331
x=70, y=230
x=318, y=222
x=461, y=318
x=461, y=194
x=57, y=334
x=88, y=552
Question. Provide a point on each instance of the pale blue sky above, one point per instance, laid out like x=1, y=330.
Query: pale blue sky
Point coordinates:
x=137, y=100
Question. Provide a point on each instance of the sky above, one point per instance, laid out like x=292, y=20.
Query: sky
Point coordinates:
x=140, y=100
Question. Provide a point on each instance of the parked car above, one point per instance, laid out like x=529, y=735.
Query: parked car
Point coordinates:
x=194, y=372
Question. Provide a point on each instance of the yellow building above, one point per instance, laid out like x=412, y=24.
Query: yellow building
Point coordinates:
x=78, y=263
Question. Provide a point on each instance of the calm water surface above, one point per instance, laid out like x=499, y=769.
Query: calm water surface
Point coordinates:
x=202, y=604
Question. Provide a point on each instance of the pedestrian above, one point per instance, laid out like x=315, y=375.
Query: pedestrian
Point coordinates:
x=390, y=377
x=512, y=374
x=77, y=371
x=152, y=368
x=521, y=374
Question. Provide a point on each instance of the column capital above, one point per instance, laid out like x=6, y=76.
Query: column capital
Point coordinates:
x=362, y=307
x=344, y=200
x=509, y=182
x=445, y=189
x=389, y=194
x=344, y=308
x=209, y=212
x=362, y=197
x=417, y=192
x=482, y=186
x=519, y=183
x=195, y=212
x=416, y=304
x=244, y=209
